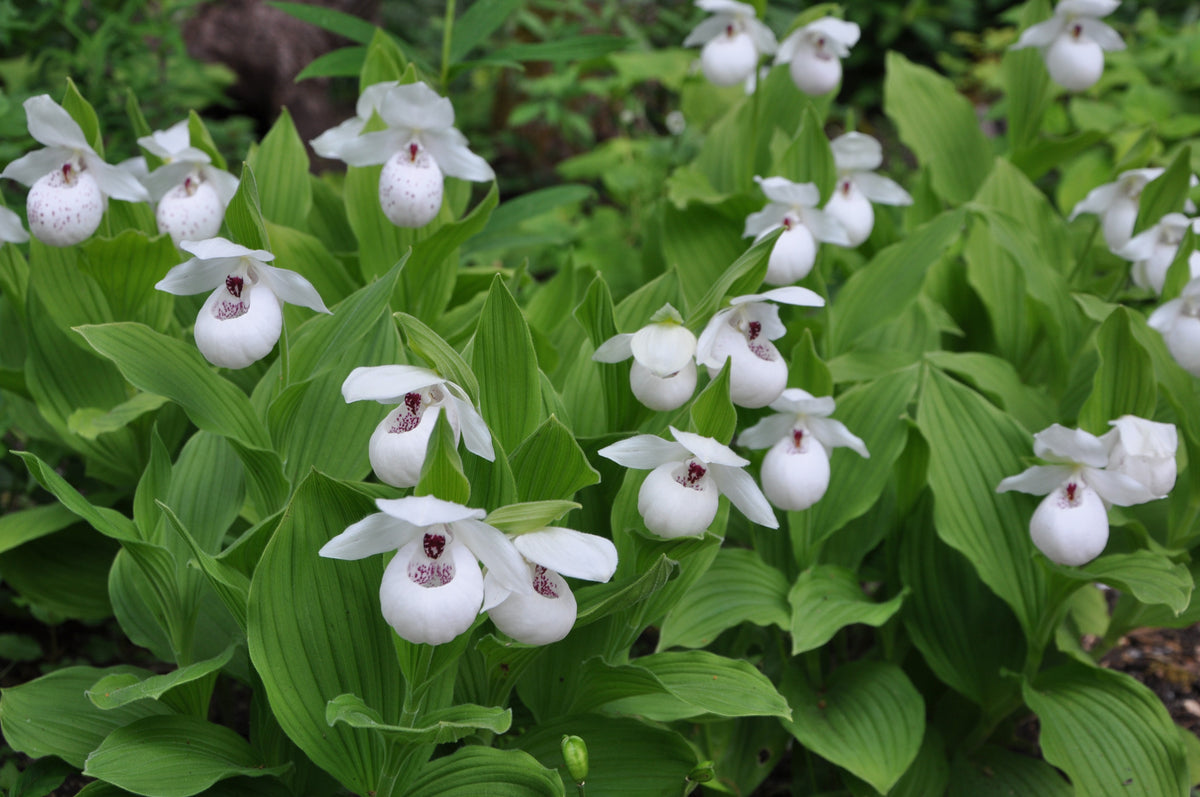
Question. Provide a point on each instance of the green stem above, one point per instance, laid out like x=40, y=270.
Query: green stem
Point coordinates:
x=579, y=787
x=447, y=38
x=414, y=690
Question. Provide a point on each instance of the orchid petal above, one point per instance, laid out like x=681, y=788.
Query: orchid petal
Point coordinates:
x=833, y=434
x=115, y=182
x=801, y=402
x=415, y=106
x=475, y=431
x=856, y=152
x=789, y=294
x=570, y=552
x=1042, y=34
x=1098, y=200
x=730, y=7
x=663, y=348
x=375, y=148
x=1038, y=480
x=197, y=275
x=387, y=384
x=708, y=29
x=762, y=222
x=839, y=30
x=372, y=98
x=644, y=452
x=329, y=144
x=1117, y=488
x=51, y=125
x=825, y=227
x=432, y=615
x=1057, y=443
x=781, y=189
x=449, y=150
x=292, y=287
x=762, y=36
x=767, y=317
x=214, y=248
x=427, y=510
x=166, y=177
x=375, y=534
x=768, y=431
x=1102, y=34
x=10, y=227
x=1164, y=317
x=225, y=183
x=1140, y=246
x=1086, y=8
x=615, y=349
x=33, y=166
x=708, y=449
x=789, y=46
x=496, y=551
x=883, y=190
x=494, y=592
x=708, y=336
x=738, y=486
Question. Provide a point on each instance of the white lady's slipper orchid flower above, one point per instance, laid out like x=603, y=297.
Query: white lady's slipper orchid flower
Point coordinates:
x=400, y=441
x=795, y=471
x=1145, y=451
x=742, y=333
x=242, y=319
x=793, y=206
x=814, y=53
x=69, y=182
x=1153, y=250
x=329, y=143
x=1179, y=323
x=1116, y=204
x=10, y=227
x=432, y=590
x=733, y=40
x=420, y=145
x=547, y=614
x=857, y=156
x=1073, y=41
x=663, y=375
x=191, y=193
x=679, y=497
x=1070, y=525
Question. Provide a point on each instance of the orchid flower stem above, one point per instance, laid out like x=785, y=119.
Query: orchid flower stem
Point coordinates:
x=447, y=38
x=579, y=787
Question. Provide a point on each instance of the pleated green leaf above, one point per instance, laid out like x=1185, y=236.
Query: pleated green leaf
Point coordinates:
x=866, y=717
x=315, y=631
x=939, y=125
x=51, y=715
x=997, y=379
x=989, y=528
x=549, y=465
x=737, y=588
x=1165, y=193
x=528, y=516
x=705, y=293
x=809, y=158
x=712, y=413
x=600, y=600
x=891, y=281
x=436, y=727
x=156, y=363
x=1150, y=577
x=1109, y=733
x=385, y=60
x=700, y=243
x=90, y=422
x=63, y=573
x=993, y=771
x=825, y=599
x=310, y=257
x=230, y=584
x=107, y=521
x=625, y=756
x=280, y=164
x=505, y=362
x=85, y=115
x=23, y=525
x=129, y=289
x=119, y=689
x=807, y=370
x=442, y=474
x=601, y=683
x=473, y=771
x=175, y=756
x=438, y=354
x=929, y=772
x=1124, y=383
x=201, y=139
x=715, y=685
x=244, y=215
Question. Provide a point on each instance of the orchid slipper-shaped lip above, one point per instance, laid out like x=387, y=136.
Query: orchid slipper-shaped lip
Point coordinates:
x=1145, y=451
x=419, y=146
x=191, y=193
x=814, y=53
x=1179, y=323
x=10, y=227
x=400, y=441
x=679, y=497
x=742, y=333
x=1073, y=41
x=432, y=590
x=69, y=180
x=663, y=376
x=792, y=206
x=1153, y=250
x=242, y=320
x=857, y=156
x=1117, y=205
x=1070, y=525
x=329, y=143
x=548, y=613
x=733, y=39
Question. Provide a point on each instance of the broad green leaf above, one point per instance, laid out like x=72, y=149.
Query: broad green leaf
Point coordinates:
x=809, y=158
x=737, y=588
x=356, y=29
x=708, y=684
x=601, y=683
x=993, y=771
x=230, y=584
x=600, y=600
x=51, y=715
x=1027, y=93
x=442, y=474
x=308, y=256
x=156, y=363
x=129, y=288
x=625, y=756
x=120, y=689
x=549, y=465
x=436, y=727
x=107, y=521
x=1109, y=733
x=1124, y=382
x=85, y=115
x=332, y=637
x=21, y=526
x=807, y=371
x=280, y=165
x=91, y=422
x=712, y=413
x=569, y=48
x=598, y=318
x=504, y=227
x=385, y=61
x=997, y=379
x=701, y=244
x=342, y=62
x=505, y=362
x=825, y=599
x=244, y=215
x=528, y=516
x=62, y=575
x=890, y=282
x=989, y=528
x=175, y=756
x=1165, y=193
x=1150, y=577
x=485, y=770
x=939, y=124
x=866, y=717
x=438, y=354
x=201, y=139
x=929, y=772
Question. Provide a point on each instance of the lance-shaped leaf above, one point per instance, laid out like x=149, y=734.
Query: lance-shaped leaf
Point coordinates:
x=702, y=683
x=506, y=364
x=435, y=727
x=119, y=689
x=485, y=770
x=1124, y=381
x=549, y=464
x=280, y=164
x=825, y=599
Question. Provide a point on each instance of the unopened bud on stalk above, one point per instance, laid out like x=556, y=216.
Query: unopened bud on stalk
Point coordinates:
x=575, y=753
